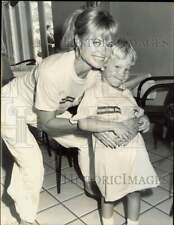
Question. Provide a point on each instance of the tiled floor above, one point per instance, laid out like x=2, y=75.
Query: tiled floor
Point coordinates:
x=73, y=207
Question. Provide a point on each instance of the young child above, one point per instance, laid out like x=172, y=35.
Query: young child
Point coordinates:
x=126, y=170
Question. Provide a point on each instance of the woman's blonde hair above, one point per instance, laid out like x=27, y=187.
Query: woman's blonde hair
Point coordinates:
x=84, y=21
x=125, y=48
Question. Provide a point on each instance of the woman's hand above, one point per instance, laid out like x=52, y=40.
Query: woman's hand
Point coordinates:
x=121, y=135
x=127, y=129
x=144, y=124
x=107, y=138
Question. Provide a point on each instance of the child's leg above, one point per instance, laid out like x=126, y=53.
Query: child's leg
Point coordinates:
x=133, y=204
x=107, y=212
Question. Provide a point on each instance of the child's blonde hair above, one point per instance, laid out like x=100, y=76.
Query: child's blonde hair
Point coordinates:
x=123, y=48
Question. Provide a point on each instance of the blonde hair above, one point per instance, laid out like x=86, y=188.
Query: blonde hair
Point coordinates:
x=123, y=48
x=84, y=21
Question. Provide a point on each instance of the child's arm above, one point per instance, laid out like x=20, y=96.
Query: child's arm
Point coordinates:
x=132, y=82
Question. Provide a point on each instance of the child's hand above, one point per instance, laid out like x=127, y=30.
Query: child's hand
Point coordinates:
x=138, y=112
x=144, y=124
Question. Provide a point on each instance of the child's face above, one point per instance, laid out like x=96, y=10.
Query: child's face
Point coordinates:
x=117, y=70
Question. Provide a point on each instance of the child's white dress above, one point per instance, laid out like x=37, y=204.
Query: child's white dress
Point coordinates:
x=125, y=169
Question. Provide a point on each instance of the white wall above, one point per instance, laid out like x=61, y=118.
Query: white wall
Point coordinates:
x=150, y=27
x=60, y=11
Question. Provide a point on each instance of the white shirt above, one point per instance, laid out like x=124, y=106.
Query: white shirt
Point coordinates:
x=58, y=86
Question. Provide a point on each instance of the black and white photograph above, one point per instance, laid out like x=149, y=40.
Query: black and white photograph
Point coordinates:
x=87, y=113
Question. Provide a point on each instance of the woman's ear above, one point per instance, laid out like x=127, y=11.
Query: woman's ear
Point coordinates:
x=77, y=41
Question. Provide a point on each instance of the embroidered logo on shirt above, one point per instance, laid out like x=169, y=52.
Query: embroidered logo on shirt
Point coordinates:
x=108, y=109
x=67, y=99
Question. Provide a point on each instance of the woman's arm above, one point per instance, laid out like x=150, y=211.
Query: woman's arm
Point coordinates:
x=124, y=130
x=48, y=122
x=132, y=82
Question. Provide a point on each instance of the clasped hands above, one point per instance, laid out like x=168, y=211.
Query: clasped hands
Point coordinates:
x=124, y=132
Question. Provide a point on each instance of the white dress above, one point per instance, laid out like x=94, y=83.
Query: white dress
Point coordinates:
x=125, y=169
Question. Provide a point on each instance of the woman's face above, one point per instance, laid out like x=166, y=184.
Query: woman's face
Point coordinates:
x=116, y=71
x=95, y=50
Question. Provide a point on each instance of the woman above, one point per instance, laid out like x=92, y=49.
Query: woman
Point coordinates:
x=46, y=94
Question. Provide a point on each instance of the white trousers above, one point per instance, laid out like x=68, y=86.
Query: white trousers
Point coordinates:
x=28, y=171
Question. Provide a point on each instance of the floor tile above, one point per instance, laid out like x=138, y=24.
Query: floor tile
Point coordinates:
x=166, y=205
x=78, y=182
x=51, y=160
x=51, y=163
x=76, y=222
x=48, y=170
x=162, y=150
x=154, y=206
x=81, y=205
x=70, y=173
x=165, y=165
x=155, y=195
x=65, y=163
x=46, y=201
x=46, y=156
x=50, y=181
x=160, y=172
x=154, y=157
x=35, y=223
x=120, y=208
x=68, y=191
x=155, y=217
x=57, y=215
x=93, y=218
x=144, y=206
x=166, y=182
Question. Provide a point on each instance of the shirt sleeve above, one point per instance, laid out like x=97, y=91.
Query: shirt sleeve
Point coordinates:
x=47, y=91
x=87, y=106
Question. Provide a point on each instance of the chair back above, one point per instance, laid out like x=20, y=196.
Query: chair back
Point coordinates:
x=154, y=110
x=158, y=80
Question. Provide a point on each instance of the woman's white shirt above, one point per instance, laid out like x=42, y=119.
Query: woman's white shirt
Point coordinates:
x=58, y=86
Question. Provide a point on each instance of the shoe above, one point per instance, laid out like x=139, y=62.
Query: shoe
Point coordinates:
x=130, y=222
x=108, y=221
x=7, y=217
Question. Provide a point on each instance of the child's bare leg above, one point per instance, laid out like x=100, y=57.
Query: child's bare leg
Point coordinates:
x=107, y=212
x=133, y=204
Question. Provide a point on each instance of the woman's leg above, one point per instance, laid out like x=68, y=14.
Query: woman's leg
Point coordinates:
x=28, y=171
x=133, y=204
x=107, y=212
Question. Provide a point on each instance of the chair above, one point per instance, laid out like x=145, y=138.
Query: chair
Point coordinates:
x=154, y=110
x=59, y=151
x=169, y=115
